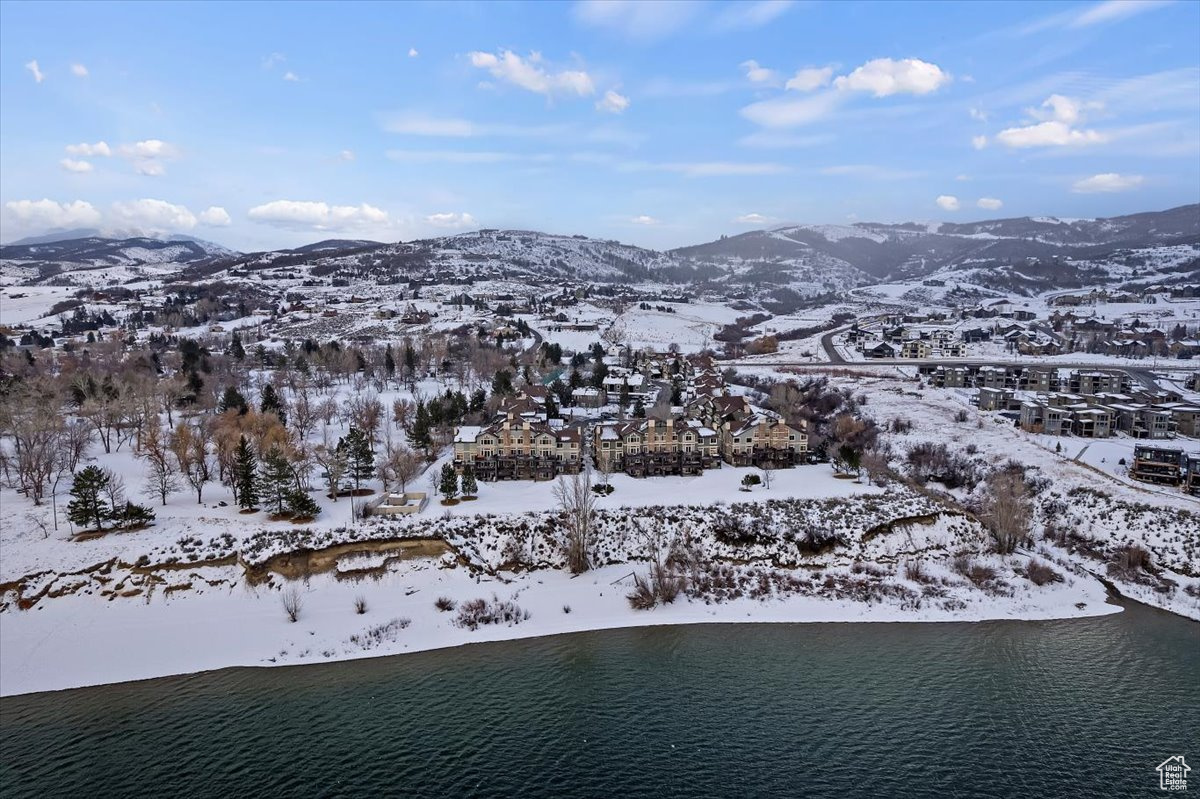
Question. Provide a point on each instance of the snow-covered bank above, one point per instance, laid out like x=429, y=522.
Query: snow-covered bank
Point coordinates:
x=82, y=640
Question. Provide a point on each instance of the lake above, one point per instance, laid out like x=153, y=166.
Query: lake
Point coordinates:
x=1082, y=707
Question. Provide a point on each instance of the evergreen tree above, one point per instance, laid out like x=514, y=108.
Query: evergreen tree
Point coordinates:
x=551, y=407
x=676, y=393
x=245, y=475
x=639, y=409
x=449, y=484
x=420, y=435
x=469, y=487
x=502, y=384
x=357, y=449
x=232, y=400
x=598, y=375
x=271, y=403
x=301, y=505
x=478, y=400
x=276, y=478
x=134, y=515
x=389, y=362
x=235, y=347
x=88, y=505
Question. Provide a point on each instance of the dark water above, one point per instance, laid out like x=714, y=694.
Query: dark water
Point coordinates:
x=1033, y=709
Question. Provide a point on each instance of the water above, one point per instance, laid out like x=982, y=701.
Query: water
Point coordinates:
x=1080, y=708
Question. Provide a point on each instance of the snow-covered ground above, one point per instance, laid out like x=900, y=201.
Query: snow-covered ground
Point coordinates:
x=80, y=640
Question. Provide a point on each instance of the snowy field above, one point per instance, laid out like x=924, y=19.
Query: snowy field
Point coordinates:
x=230, y=624
x=35, y=302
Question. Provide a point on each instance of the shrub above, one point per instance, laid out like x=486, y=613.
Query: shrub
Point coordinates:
x=360, y=605
x=661, y=586
x=444, y=603
x=915, y=570
x=961, y=416
x=380, y=633
x=1131, y=559
x=292, y=603
x=1040, y=573
x=478, y=612
x=977, y=573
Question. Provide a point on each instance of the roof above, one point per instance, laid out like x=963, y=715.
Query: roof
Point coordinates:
x=467, y=434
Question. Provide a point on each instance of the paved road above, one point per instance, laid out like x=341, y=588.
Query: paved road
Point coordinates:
x=830, y=350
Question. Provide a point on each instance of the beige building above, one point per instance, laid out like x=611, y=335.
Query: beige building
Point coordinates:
x=518, y=449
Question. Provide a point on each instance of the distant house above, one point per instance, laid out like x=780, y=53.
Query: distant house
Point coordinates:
x=880, y=350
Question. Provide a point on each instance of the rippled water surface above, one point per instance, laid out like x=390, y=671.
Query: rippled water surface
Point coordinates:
x=1070, y=708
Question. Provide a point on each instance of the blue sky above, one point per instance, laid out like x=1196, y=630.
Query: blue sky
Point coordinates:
x=271, y=125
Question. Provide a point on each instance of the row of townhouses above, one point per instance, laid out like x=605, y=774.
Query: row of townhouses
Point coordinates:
x=714, y=427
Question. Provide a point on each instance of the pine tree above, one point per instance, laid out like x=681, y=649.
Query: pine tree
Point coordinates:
x=235, y=347
x=276, y=478
x=551, y=407
x=389, y=362
x=301, y=505
x=357, y=450
x=639, y=409
x=232, y=400
x=469, y=487
x=420, y=435
x=88, y=505
x=245, y=475
x=449, y=484
x=271, y=403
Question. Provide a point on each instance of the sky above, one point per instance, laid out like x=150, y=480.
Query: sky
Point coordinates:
x=262, y=126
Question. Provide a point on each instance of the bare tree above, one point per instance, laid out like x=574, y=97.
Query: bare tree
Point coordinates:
x=577, y=503
x=162, y=478
x=399, y=464
x=768, y=474
x=293, y=602
x=191, y=452
x=334, y=464
x=36, y=433
x=1007, y=510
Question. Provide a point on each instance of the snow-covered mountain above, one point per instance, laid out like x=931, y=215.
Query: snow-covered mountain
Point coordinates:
x=778, y=267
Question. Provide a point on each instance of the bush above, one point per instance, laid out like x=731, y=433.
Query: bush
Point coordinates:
x=478, y=612
x=915, y=570
x=977, y=573
x=444, y=603
x=1040, y=573
x=360, y=605
x=1131, y=559
x=661, y=585
x=292, y=603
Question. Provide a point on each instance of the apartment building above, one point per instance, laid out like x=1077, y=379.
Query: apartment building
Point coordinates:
x=648, y=447
x=519, y=449
x=764, y=442
x=1161, y=465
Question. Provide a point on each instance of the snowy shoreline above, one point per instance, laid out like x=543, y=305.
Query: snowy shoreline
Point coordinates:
x=235, y=625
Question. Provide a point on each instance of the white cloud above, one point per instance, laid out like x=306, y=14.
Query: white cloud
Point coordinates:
x=634, y=19
x=773, y=140
x=789, y=112
x=215, y=216
x=150, y=148
x=989, y=203
x=747, y=15
x=979, y=142
x=98, y=149
x=1048, y=134
x=412, y=52
x=463, y=156
x=758, y=74
x=151, y=169
x=346, y=155
x=978, y=114
x=273, y=59
x=644, y=220
x=36, y=71
x=753, y=219
x=706, y=169
x=291, y=77
x=529, y=74
x=613, y=103
x=947, y=202
x=79, y=70
x=153, y=216
x=450, y=219
x=72, y=165
x=884, y=76
x=415, y=123
x=1113, y=10
x=1059, y=115
x=1107, y=182
x=317, y=215
x=45, y=214
x=871, y=172
x=810, y=79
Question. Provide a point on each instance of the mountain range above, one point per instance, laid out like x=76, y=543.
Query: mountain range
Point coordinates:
x=1023, y=255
